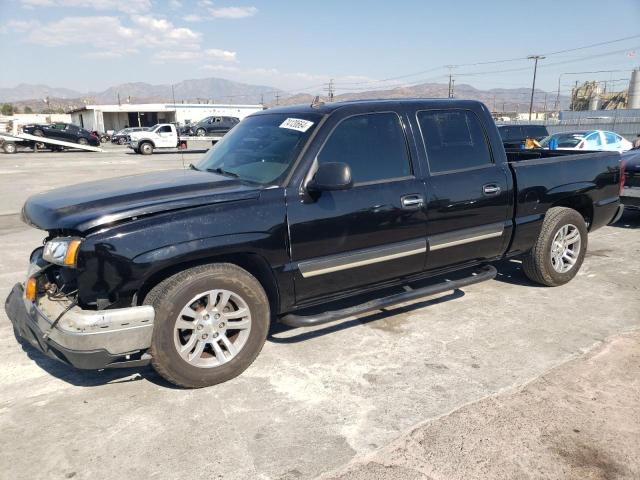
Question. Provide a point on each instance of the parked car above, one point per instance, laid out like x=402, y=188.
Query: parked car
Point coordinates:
x=593, y=140
x=67, y=132
x=515, y=136
x=214, y=126
x=120, y=137
x=630, y=196
x=296, y=208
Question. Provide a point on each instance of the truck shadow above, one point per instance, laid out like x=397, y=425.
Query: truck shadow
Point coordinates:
x=92, y=378
x=510, y=271
x=378, y=315
x=630, y=220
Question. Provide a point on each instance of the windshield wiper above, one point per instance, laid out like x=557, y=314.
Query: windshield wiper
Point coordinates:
x=220, y=171
x=193, y=167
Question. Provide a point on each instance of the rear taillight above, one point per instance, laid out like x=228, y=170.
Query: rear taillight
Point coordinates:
x=622, y=177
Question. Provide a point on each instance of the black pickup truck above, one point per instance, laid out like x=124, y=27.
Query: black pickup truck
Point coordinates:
x=302, y=215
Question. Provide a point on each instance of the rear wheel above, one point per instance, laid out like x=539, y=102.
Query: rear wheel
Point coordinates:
x=122, y=140
x=83, y=141
x=146, y=148
x=9, y=147
x=559, y=250
x=211, y=323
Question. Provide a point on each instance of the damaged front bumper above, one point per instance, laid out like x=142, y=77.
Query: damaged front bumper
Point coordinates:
x=87, y=339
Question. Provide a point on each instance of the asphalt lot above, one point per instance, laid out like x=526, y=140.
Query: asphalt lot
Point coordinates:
x=354, y=399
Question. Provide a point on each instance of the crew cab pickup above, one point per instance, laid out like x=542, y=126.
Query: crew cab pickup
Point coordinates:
x=301, y=215
x=165, y=136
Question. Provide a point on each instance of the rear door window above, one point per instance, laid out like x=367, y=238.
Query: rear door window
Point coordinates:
x=611, y=137
x=373, y=145
x=454, y=140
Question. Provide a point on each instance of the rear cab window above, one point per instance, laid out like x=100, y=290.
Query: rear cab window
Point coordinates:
x=372, y=144
x=454, y=140
x=510, y=132
x=535, y=131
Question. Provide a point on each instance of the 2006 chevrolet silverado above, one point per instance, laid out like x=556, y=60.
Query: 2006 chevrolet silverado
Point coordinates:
x=298, y=208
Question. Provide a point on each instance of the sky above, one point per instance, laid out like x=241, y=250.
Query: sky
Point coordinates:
x=298, y=46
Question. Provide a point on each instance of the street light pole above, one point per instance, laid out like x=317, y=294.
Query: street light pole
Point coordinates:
x=533, y=87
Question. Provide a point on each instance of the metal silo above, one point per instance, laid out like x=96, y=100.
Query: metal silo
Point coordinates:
x=634, y=89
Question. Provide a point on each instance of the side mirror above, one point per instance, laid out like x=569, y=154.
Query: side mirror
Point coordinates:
x=331, y=176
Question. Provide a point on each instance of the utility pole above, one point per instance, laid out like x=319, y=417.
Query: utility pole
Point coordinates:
x=277, y=98
x=557, y=105
x=451, y=80
x=330, y=90
x=533, y=87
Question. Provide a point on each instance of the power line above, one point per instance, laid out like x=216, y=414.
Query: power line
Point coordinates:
x=492, y=62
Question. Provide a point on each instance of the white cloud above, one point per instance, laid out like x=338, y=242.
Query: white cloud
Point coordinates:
x=233, y=12
x=125, y=6
x=192, y=18
x=194, y=55
x=110, y=34
x=210, y=13
x=220, y=68
x=175, y=4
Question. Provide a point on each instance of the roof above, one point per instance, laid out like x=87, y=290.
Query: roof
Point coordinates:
x=161, y=107
x=327, y=108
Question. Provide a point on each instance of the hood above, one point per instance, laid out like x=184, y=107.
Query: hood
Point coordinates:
x=89, y=205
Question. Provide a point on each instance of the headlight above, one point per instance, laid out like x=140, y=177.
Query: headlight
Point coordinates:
x=62, y=251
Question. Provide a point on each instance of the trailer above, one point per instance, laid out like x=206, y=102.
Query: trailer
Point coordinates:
x=10, y=143
x=164, y=136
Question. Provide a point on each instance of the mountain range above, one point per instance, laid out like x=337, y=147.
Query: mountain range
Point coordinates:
x=217, y=90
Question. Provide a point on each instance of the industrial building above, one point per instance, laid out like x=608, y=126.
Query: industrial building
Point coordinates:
x=104, y=118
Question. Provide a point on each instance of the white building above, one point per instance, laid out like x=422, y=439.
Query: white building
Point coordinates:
x=115, y=117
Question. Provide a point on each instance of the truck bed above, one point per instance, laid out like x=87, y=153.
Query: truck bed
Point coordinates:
x=544, y=178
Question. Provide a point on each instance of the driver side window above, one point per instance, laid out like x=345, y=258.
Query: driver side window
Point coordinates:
x=373, y=145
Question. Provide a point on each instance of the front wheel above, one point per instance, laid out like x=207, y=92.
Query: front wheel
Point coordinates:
x=201, y=132
x=83, y=141
x=9, y=147
x=146, y=149
x=122, y=140
x=559, y=250
x=210, y=324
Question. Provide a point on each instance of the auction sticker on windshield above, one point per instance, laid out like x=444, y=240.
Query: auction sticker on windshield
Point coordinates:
x=296, y=124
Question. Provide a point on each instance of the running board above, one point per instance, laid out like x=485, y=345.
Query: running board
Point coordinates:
x=487, y=272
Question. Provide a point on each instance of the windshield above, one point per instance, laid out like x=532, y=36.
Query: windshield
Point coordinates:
x=564, y=140
x=261, y=149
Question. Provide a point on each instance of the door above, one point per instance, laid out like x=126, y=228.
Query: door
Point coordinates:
x=468, y=192
x=372, y=232
x=166, y=137
x=57, y=131
x=216, y=125
x=613, y=142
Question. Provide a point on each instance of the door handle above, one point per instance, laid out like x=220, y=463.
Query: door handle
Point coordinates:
x=412, y=201
x=491, y=189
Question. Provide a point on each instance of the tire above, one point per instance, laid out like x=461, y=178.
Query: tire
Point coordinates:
x=38, y=133
x=172, y=296
x=83, y=141
x=9, y=147
x=146, y=148
x=201, y=132
x=122, y=141
x=540, y=264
